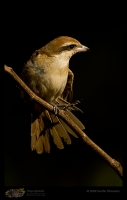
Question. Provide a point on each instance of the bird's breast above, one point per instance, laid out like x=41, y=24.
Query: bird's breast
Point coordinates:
x=52, y=83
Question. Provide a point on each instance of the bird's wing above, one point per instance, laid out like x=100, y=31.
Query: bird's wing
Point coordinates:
x=68, y=91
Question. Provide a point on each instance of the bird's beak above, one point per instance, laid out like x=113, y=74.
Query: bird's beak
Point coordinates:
x=82, y=48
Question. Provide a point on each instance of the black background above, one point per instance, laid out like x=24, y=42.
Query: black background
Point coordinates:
x=98, y=82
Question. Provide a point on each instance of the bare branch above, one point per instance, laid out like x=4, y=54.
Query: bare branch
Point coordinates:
x=112, y=162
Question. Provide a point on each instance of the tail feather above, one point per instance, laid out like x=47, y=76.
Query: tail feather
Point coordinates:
x=75, y=119
x=56, y=138
x=60, y=129
x=35, y=132
x=39, y=145
x=33, y=142
x=46, y=142
x=48, y=123
x=69, y=130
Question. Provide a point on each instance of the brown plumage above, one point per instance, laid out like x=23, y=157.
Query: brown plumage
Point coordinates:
x=47, y=73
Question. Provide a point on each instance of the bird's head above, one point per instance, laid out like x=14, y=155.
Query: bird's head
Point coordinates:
x=59, y=50
x=64, y=45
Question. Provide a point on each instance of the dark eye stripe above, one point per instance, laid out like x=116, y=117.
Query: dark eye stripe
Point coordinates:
x=67, y=47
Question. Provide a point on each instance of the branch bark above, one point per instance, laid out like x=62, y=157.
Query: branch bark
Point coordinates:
x=116, y=166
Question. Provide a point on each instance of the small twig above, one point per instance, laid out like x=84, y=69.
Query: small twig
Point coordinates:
x=112, y=162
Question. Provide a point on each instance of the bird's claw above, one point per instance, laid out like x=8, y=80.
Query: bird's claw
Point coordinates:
x=75, y=103
x=55, y=108
x=73, y=106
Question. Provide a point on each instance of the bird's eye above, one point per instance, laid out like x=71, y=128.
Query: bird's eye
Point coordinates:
x=72, y=46
x=67, y=47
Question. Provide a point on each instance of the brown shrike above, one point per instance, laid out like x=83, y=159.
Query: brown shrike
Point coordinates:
x=48, y=75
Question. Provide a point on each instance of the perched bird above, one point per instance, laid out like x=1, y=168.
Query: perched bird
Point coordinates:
x=48, y=75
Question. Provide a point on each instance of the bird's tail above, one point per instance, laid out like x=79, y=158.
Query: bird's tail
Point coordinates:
x=49, y=124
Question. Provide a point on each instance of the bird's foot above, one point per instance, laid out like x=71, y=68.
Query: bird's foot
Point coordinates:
x=72, y=105
x=75, y=103
x=55, y=108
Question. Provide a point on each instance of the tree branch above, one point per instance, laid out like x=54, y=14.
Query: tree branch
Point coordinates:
x=116, y=166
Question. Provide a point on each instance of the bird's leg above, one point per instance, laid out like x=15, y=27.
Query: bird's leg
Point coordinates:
x=55, y=108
